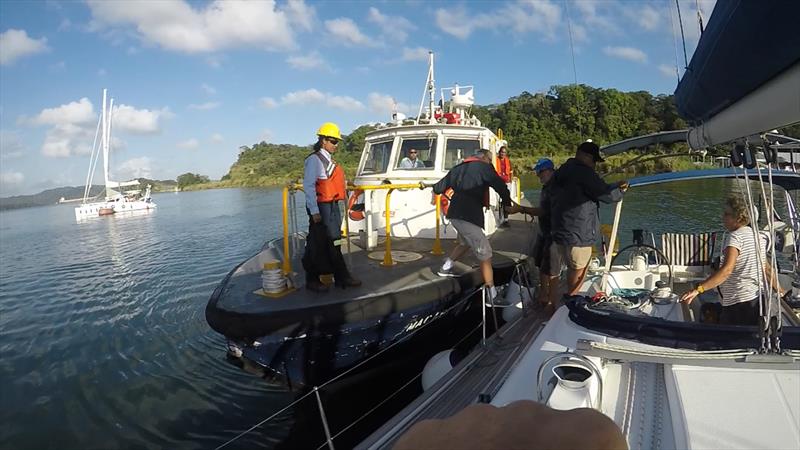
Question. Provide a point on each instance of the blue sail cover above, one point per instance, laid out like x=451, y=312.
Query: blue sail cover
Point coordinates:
x=746, y=44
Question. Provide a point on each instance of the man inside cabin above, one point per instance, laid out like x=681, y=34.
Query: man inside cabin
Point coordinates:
x=576, y=193
x=470, y=182
x=503, y=167
x=324, y=186
x=411, y=161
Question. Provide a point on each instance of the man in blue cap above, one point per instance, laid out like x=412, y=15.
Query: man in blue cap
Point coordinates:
x=545, y=254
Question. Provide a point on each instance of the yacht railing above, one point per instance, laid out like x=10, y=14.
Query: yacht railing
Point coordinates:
x=387, y=256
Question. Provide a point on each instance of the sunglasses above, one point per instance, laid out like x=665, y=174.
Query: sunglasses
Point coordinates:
x=333, y=141
x=412, y=153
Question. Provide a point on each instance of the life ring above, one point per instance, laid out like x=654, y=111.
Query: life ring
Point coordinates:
x=355, y=210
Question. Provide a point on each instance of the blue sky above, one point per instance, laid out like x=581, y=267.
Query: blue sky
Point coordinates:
x=195, y=80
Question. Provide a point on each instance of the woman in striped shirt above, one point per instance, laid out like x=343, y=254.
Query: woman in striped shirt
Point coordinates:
x=740, y=272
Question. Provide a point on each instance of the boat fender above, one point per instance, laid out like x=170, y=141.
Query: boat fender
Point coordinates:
x=437, y=367
x=355, y=210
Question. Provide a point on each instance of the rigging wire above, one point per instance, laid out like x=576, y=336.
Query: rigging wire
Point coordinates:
x=699, y=15
x=683, y=37
x=574, y=69
x=674, y=40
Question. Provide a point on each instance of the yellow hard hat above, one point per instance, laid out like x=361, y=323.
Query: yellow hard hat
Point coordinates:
x=329, y=129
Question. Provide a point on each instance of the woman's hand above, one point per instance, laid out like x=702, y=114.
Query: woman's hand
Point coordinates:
x=687, y=297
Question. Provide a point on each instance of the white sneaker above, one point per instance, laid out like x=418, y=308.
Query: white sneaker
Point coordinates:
x=442, y=272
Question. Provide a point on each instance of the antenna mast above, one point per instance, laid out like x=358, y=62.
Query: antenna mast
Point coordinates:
x=429, y=86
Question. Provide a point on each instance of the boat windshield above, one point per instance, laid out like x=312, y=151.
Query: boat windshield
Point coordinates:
x=457, y=149
x=378, y=156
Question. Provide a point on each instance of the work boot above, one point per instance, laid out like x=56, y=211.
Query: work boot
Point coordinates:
x=316, y=286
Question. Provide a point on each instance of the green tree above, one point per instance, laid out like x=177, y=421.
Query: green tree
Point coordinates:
x=188, y=179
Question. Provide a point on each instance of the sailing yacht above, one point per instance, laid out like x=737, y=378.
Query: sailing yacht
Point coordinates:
x=116, y=200
x=626, y=346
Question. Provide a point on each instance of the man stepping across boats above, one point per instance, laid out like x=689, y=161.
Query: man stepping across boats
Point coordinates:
x=577, y=189
x=324, y=186
x=545, y=254
x=470, y=182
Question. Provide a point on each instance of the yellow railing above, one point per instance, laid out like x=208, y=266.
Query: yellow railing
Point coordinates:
x=387, y=256
x=519, y=188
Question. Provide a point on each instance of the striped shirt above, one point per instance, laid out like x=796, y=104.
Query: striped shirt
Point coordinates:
x=742, y=284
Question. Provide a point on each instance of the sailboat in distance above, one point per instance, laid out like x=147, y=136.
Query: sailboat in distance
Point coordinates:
x=116, y=200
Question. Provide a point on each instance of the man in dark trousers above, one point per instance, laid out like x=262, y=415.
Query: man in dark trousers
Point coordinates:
x=324, y=186
x=470, y=182
x=577, y=189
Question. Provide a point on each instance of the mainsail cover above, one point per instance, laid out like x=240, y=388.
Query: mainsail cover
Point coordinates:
x=745, y=45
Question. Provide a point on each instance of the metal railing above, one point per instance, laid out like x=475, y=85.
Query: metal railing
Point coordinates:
x=387, y=257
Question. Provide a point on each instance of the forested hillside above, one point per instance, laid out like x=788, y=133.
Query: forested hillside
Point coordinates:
x=543, y=124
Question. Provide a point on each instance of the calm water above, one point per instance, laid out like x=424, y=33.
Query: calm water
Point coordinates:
x=103, y=339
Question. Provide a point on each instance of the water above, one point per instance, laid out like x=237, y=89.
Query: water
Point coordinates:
x=103, y=339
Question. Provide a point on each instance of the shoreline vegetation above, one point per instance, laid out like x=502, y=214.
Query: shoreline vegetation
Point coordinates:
x=550, y=124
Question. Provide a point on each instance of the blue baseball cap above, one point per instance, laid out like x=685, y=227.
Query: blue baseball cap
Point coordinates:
x=543, y=164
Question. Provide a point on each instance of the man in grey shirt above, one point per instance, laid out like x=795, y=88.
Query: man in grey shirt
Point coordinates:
x=411, y=161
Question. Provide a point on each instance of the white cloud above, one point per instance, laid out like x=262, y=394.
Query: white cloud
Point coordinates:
x=80, y=113
x=138, y=121
x=667, y=70
x=346, y=31
x=189, y=144
x=415, y=54
x=67, y=139
x=301, y=14
x=176, y=25
x=10, y=145
x=205, y=106
x=303, y=97
x=393, y=28
x=542, y=17
x=10, y=181
x=217, y=138
x=648, y=18
x=208, y=89
x=134, y=168
x=15, y=44
x=595, y=19
x=313, y=96
x=385, y=104
x=629, y=53
x=344, y=103
x=269, y=102
x=311, y=61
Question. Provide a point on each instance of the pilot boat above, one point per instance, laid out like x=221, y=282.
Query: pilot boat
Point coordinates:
x=395, y=237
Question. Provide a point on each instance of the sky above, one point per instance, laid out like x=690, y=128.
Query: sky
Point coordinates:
x=193, y=81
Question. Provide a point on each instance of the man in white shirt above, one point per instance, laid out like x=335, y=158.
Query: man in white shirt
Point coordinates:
x=411, y=161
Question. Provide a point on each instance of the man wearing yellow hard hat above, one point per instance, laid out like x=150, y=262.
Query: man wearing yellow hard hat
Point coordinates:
x=324, y=185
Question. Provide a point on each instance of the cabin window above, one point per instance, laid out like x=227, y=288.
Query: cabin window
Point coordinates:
x=377, y=157
x=425, y=150
x=457, y=150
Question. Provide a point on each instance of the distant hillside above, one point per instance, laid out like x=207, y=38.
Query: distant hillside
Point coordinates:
x=52, y=196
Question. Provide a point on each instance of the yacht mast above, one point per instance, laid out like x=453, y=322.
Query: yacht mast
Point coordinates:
x=430, y=87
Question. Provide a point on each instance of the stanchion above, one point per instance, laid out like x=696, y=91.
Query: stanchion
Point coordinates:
x=324, y=420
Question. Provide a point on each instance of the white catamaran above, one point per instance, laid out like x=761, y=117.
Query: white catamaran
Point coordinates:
x=115, y=201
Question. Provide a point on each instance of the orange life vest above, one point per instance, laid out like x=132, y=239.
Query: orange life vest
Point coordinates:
x=504, y=169
x=333, y=188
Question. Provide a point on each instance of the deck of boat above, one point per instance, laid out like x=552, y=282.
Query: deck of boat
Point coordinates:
x=510, y=245
x=483, y=371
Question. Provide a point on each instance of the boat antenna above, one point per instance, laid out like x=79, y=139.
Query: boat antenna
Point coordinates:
x=699, y=15
x=683, y=37
x=431, y=92
x=574, y=69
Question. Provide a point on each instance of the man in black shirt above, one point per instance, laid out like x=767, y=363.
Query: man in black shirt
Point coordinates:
x=577, y=189
x=470, y=182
